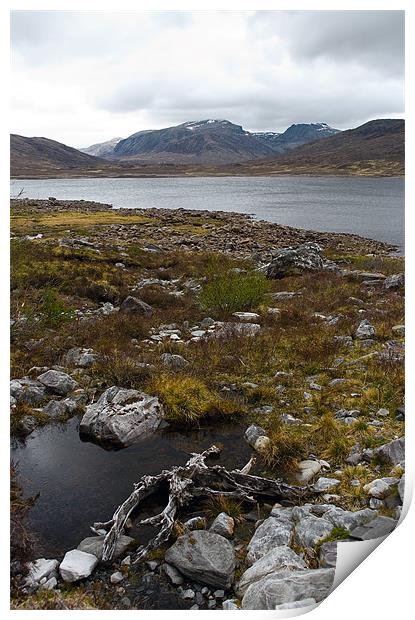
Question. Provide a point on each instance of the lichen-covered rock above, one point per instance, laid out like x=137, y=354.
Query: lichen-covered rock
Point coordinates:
x=395, y=281
x=173, y=361
x=27, y=391
x=287, y=587
x=77, y=565
x=365, y=330
x=122, y=416
x=325, y=484
x=57, y=382
x=381, y=487
x=204, y=557
x=223, y=525
x=277, y=559
x=347, y=519
x=310, y=530
x=273, y=532
x=292, y=260
x=95, y=544
x=82, y=358
x=257, y=437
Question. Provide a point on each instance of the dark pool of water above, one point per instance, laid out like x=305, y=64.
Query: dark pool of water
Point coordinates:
x=371, y=207
x=80, y=482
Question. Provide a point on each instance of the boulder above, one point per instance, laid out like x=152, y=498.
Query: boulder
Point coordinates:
x=173, y=574
x=173, y=361
x=27, y=391
x=310, y=530
x=347, y=519
x=306, y=470
x=204, y=557
x=277, y=559
x=365, y=330
x=132, y=305
x=77, y=565
x=325, y=484
x=376, y=528
x=81, y=358
x=230, y=604
x=238, y=329
x=95, y=544
x=305, y=602
x=255, y=436
x=273, y=532
x=294, y=260
x=392, y=452
x=122, y=416
x=288, y=587
x=40, y=569
x=381, y=487
x=396, y=281
x=57, y=382
x=223, y=525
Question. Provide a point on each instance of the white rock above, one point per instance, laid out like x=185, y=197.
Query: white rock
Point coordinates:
x=325, y=484
x=77, y=565
x=116, y=577
x=306, y=470
x=39, y=569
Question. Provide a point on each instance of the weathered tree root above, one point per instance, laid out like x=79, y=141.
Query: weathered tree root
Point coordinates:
x=186, y=483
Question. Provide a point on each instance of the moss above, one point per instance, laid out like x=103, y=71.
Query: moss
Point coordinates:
x=185, y=399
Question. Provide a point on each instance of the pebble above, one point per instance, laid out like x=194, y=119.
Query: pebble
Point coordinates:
x=116, y=577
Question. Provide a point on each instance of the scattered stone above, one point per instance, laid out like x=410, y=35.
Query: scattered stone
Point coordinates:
x=381, y=487
x=57, y=382
x=285, y=587
x=27, y=391
x=219, y=593
x=188, y=594
x=82, y=358
x=77, y=565
x=132, y=305
x=399, y=330
x=207, y=322
x=195, y=523
x=51, y=583
x=95, y=544
x=116, y=577
x=256, y=437
x=122, y=416
x=173, y=361
x=152, y=564
x=205, y=557
x=223, y=525
x=349, y=520
x=230, y=604
x=126, y=561
x=325, y=484
x=365, y=330
x=39, y=569
x=396, y=281
x=246, y=316
x=173, y=574
x=382, y=412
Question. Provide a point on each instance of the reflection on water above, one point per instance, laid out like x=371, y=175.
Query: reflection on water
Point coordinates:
x=80, y=482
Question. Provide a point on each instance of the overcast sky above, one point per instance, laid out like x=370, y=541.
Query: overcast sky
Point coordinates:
x=85, y=77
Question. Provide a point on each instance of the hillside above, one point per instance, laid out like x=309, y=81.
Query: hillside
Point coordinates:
x=377, y=147
x=101, y=149
x=41, y=155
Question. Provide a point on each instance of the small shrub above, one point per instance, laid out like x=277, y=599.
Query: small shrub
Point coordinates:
x=221, y=503
x=185, y=399
x=287, y=446
x=231, y=292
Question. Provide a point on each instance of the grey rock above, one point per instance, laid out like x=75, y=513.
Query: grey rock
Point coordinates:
x=246, y=316
x=239, y=329
x=349, y=520
x=188, y=594
x=310, y=530
x=277, y=559
x=81, y=358
x=219, y=593
x=381, y=487
x=95, y=544
x=325, y=484
x=392, y=452
x=223, y=525
x=328, y=554
x=306, y=470
x=287, y=587
x=401, y=487
x=383, y=413
x=376, y=528
x=365, y=330
x=173, y=574
x=173, y=361
x=396, y=281
x=205, y=557
x=57, y=382
x=39, y=569
x=50, y=584
x=116, y=577
x=305, y=602
x=132, y=305
x=399, y=330
x=305, y=257
x=122, y=416
x=230, y=604
x=207, y=322
x=273, y=532
x=195, y=523
x=77, y=565
x=253, y=433
x=27, y=391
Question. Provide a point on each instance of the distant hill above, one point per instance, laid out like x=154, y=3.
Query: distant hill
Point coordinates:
x=43, y=155
x=214, y=142
x=377, y=147
x=102, y=149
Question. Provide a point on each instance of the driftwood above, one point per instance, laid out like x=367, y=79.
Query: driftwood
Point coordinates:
x=191, y=481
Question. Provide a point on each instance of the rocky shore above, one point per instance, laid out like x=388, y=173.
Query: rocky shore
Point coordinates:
x=135, y=320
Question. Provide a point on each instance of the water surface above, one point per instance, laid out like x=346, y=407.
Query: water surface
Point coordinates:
x=371, y=207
